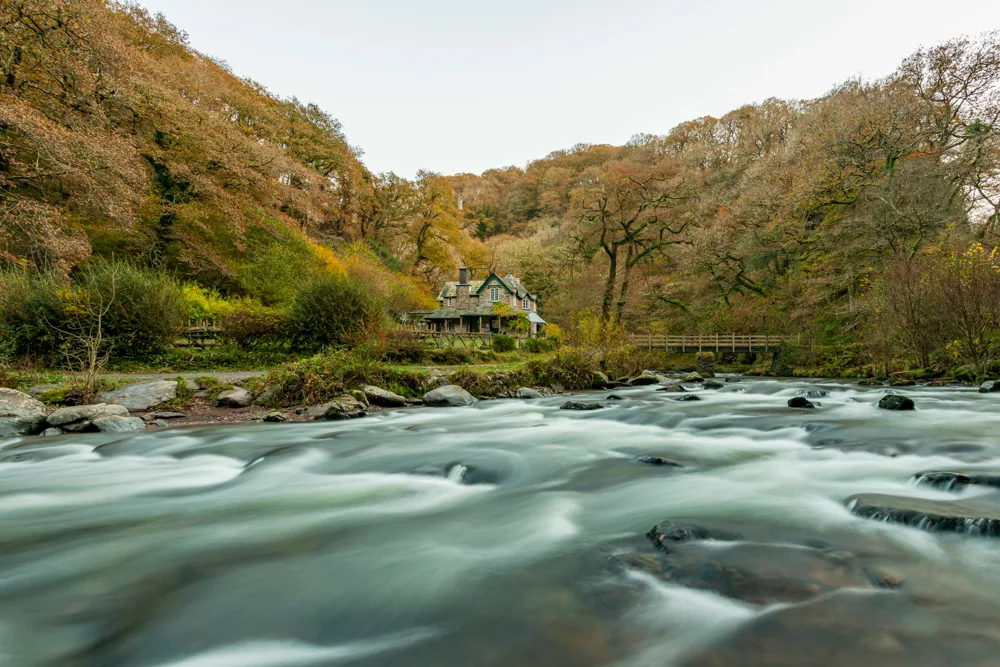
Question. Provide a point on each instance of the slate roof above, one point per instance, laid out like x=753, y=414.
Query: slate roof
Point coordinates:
x=512, y=285
x=482, y=310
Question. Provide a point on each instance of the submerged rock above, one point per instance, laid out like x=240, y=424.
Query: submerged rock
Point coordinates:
x=667, y=534
x=674, y=388
x=895, y=402
x=20, y=414
x=801, y=402
x=955, y=481
x=614, y=397
x=813, y=393
x=713, y=384
x=580, y=405
x=237, y=397
x=688, y=397
x=528, y=393
x=657, y=461
x=141, y=396
x=449, y=395
x=646, y=378
x=693, y=377
x=975, y=516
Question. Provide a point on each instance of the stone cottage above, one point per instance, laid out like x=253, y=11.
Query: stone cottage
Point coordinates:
x=467, y=306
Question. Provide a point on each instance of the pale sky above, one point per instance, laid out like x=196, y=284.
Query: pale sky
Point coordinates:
x=464, y=85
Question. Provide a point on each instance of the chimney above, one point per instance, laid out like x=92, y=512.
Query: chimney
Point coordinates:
x=462, y=290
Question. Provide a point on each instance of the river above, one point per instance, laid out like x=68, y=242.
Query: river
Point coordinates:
x=513, y=533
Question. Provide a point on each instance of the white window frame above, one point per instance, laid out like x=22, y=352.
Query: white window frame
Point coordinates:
x=494, y=293
x=525, y=303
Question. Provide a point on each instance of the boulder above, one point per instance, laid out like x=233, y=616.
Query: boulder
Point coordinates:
x=118, y=424
x=979, y=516
x=80, y=413
x=896, y=402
x=275, y=417
x=450, y=395
x=50, y=432
x=713, y=384
x=989, y=387
x=383, y=397
x=237, y=397
x=20, y=414
x=801, y=402
x=646, y=378
x=705, y=364
x=141, y=396
x=693, y=377
x=580, y=405
x=361, y=398
x=601, y=380
x=688, y=397
x=337, y=410
x=614, y=397
x=526, y=392
x=674, y=388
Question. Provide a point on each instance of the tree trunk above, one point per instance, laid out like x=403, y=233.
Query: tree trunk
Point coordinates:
x=623, y=292
x=609, y=285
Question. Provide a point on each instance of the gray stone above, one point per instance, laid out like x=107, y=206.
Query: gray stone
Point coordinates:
x=80, y=413
x=38, y=390
x=526, y=392
x=360, y=397
x=167, y=414
x=383, y=397
x=801, y=402
x=989, y=387
x=118, y=424
x=20, y=414
x=674, y=388
x=688, y=397
x=645, y=378
x=337, y=410
x=713, y=384
x=276, y=417
x=237, y=397
x=601, y=380
x=448, y=395
x=580, y=405
x=414, y=401
x=141, y=396
x=896, y=402
x=160, y=423
x=693, y=377
x=50, y=432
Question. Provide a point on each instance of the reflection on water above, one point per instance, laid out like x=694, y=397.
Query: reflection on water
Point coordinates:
x=510, y=533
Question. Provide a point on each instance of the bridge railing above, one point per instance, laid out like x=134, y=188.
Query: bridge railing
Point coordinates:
x=713, y=342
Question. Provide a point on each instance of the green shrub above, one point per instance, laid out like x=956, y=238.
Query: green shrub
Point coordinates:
x=146, y=312
x=450, y=356
x=499, y=383
x=251, y=325
x=30, y=303
x=332, y=310
x=504, y=343
x=572, y=368
x=403, y=347
x=540, y=345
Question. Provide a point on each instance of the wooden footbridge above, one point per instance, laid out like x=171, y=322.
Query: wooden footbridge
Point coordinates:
x=713, y=342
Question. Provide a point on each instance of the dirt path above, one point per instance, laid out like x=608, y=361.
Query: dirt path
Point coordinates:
x=229, y=377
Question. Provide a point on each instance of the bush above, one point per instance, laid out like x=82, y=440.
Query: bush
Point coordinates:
x=478, y=383
x=572, y=368
x=504, y=343
x=540, y=345
x=146, y=314
x=251, y=325
x=332, y=310
x=450, y=356
x=403, y=347
x=29, y=304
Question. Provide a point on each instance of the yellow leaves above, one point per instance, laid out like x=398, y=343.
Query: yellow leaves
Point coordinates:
x=328, y=259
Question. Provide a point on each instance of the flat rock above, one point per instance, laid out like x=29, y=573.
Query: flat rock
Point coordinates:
x=79, y=413
x=141, y=396
x=956, y=481
x=646, y=378
x=895, y=402
x=978, y=516
x=657, y=461
x=450, y=395
x=674, y=388
x=237, y=397
x=337, y=411
x=800, y=403
x=167, y=414
x=528, y=393
x=580, y=405
x=383, y=397
x=20, y=414
x=118, y=424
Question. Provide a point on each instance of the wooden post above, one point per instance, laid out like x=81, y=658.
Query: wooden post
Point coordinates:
x=734, y=341
x=716, y=343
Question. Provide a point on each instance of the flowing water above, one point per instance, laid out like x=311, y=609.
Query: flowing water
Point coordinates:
x=511, y=533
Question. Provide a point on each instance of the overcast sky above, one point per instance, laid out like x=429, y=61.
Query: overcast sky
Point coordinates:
x=464, y=85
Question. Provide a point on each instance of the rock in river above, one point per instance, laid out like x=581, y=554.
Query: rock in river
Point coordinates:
x=801, y=402
x=20, y=414
x=580, y=405
x=141, y=396
x=337, y=410
x=645, y=378
x=688, y=397
x=989, y=387
x=527, y=392
x=896, y=402
x=80, y=413
x=971, y=516
x=674, y=388
x=448, y=395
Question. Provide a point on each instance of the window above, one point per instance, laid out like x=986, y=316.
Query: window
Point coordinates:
x=525, y=303
x=494, y=293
